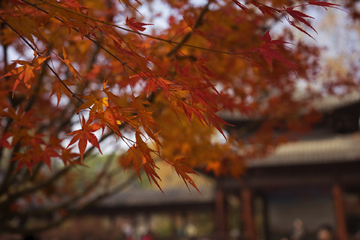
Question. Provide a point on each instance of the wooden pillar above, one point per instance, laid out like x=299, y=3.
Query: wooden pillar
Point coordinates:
x=249, y=231
x=266, y=216
x=339, y=212
x=220, y=214
x=173, y=217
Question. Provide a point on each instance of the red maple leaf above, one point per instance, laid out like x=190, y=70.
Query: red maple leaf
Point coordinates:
x=299, y=17
x=243, y=7
x=47, y=154
x=84, y=135
x=67, y=157
x=267, y=10
x=3, y=140
x=325, y=4
x=136, y=26
x=267, y=38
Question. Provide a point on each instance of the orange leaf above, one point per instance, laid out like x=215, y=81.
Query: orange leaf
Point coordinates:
x=144, y=149
x=25, y=73
x=182, y=170
x=96, y=105
x=71, y=68
x=134, y=155
x=67, y=157
x=59, y=89
x=149, y=168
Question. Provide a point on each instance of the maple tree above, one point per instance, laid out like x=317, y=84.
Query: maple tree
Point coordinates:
x=88, y=71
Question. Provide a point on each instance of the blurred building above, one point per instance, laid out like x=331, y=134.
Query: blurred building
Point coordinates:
x=301, y=186
x=314, y=180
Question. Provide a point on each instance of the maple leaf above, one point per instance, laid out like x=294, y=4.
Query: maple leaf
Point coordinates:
x=74, y=4
x=267, y=10
x=267, y=39
x=167, y=71
x=269, y=53
x=216, y=120
x=34, y=141
x=300, y=17
x=144, y=116
x=149, y=168
x=134, y=155
x=111, y=96
x=67, y=157
x=26, y=27
x=187, y=109
x=182, y=170
x=324, y=4
x=300, y=29
x=66, y=60
x=84, y=135
x=96, y=105
x=136, y=26
x=21, y=118
x=144, y=149
x=47, y=154
x=200, y=64
x=59, y=89
x=29, y=158
x=127, y=2
x=3, y=140
x=243, y=7
x=111, y=118
x=26, y=75
x=23, y=159
x=25, y=72
x=16, y=2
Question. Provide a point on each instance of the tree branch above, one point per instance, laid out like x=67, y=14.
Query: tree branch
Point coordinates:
x=5, y=181
x=187, y=36
x=23, y=230
x=29, y=189
x=51, y=69
x=68, y=203
x=128, y=30
x=32, y=98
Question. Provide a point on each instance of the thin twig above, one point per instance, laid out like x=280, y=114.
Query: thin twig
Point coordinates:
x=86, y=36
x=51, y=69
x=23, y=230
x=187, y=36
x=50, y=180
x=128, y=30
x=71, y=201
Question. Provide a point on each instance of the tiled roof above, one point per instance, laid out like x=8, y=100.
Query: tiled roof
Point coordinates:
x=322, y=105
x=154, y=197
x=318, y=148
x=333, y=102
x=338, y=148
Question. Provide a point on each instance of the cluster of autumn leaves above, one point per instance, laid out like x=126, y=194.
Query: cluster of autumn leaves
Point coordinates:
x=136, y=83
